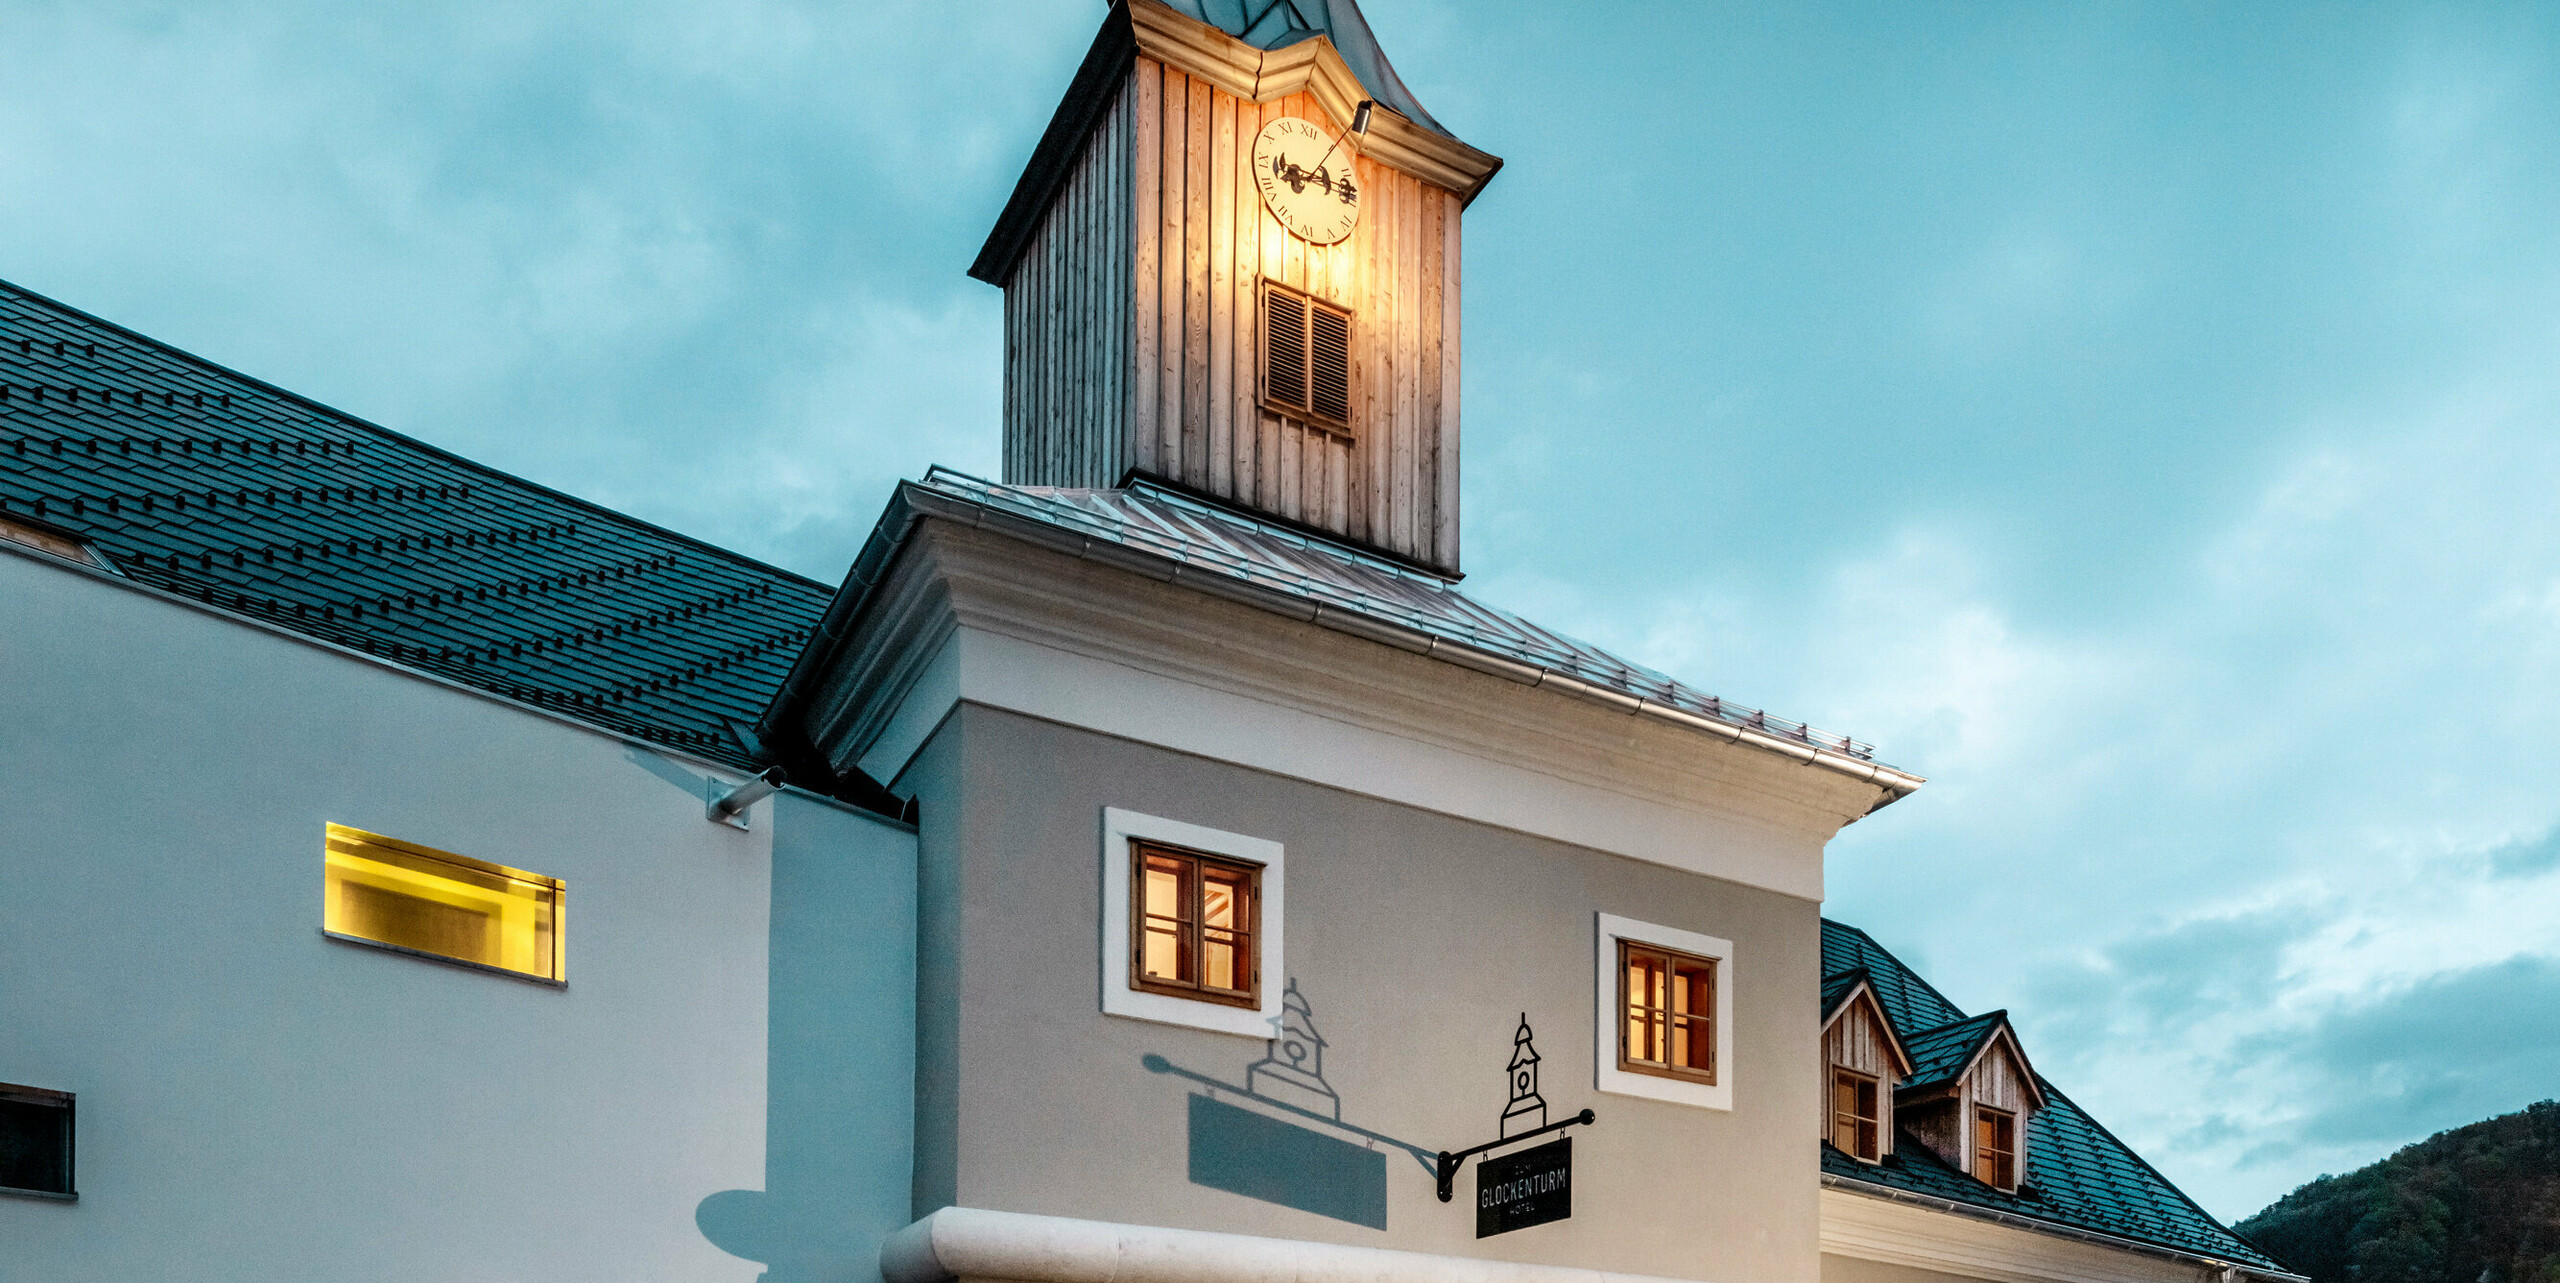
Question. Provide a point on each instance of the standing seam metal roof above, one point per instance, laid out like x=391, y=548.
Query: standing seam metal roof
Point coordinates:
x=2079, y=1176
x=207, y=483
x=1177, y=527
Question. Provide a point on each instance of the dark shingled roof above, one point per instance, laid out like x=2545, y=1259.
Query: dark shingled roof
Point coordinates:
x=1942, y=1053
x=212, y=485
x=1837, y=987
x=2079, y=1176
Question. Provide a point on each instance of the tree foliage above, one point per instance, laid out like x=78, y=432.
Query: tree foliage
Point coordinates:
x=2477, y=1204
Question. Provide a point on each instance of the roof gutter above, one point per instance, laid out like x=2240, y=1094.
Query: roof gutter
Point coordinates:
x=2223, y=1268
x=913, y=502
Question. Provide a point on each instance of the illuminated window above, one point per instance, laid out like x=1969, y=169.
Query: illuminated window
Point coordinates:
x=1670, y=1004
x=1193, y=918
x=1306, y=357
x=35, y=1141
x=386, y=892
x=1195, y=926
x=1659, y=998
x=1995, y=1147
x=1853, y=1114
x=46, y=539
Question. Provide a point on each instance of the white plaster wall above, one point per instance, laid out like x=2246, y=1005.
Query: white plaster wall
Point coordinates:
x=259, y=1102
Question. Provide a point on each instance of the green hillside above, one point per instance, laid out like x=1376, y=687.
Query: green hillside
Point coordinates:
x=2478, y=1204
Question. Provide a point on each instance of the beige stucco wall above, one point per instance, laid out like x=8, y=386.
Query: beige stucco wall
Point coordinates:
x=1850, y=1269
x=1418, y=939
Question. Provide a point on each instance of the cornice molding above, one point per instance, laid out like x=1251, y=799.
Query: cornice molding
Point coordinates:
x=969, y=1243
x=1877, y=1224
x=1316, y=67
x=972, y=615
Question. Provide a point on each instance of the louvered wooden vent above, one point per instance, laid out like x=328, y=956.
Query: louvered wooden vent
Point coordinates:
x=1306, y=358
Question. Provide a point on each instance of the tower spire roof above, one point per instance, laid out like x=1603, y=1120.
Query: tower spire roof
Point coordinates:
x=1278, y=24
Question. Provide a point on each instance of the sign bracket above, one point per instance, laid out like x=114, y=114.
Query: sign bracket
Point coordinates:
x=1449, y=1163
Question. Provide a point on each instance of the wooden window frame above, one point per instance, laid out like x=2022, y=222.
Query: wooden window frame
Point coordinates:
x=1196, y=989
x=1982, y=1152
x=1673, y=960
x=1608, y=1013
x=1851, y=1120
x=1279, y=401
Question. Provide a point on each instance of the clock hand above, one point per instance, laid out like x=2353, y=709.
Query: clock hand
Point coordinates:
x=1359, y=125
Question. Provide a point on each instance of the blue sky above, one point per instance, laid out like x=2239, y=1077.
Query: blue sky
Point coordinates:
x=2143, y=420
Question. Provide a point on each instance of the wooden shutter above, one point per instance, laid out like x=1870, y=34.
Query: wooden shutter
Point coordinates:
x=1284, y=348
x=1329, y=364
x=1306, y=357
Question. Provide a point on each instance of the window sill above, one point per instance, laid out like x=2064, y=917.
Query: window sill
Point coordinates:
x=464, y=964
x=1310, y=421
x=1667, y=1075
x=50, y=1196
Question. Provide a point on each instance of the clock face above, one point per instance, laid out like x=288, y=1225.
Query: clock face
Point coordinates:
x=1310, y=192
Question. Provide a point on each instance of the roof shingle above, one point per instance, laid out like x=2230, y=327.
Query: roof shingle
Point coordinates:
x=207, y=483
x=2079, y=1176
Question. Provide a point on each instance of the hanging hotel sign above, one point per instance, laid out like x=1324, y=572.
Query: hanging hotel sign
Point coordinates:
x=1305, y=178
x=1532, y=1187
x=1526, y=1187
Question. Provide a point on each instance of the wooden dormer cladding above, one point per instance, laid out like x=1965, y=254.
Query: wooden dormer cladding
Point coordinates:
x=1946, y=1109
x=1134, y=258
x=1857, y=1036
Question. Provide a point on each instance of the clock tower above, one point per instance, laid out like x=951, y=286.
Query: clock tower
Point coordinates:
x=1231, y=268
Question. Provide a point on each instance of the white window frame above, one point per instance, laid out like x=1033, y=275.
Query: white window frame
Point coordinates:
x=1606, y=1016
x=1119, y=829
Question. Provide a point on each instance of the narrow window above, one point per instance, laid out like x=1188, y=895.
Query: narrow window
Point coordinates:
x=47, y=540
x=1306, y=358
x=35, y=1141
x=1197, y=925
x=1670, y=1005
x=1995, y=1147
x=1853, y=1114
x=442, y=905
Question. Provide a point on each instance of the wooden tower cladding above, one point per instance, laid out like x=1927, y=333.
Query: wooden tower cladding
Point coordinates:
x=1134, y=259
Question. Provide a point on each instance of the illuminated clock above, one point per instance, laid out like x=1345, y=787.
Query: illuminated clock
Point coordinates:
x=1306, y=180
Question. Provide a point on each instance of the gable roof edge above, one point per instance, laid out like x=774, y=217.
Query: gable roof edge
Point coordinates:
x=2002, y=1029
x=1863, y=988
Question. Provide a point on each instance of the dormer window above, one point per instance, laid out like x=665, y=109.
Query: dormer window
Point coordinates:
x=1855, y=1117
x=1863, y=1060
x=1972, y=1098
x=1995, y=1147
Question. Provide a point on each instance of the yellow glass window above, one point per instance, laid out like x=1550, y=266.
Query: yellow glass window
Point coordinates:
x=1670, y=1004
x=451, y=906
x=1853, y=1114
x=1995, y=1147
x=1196, y=923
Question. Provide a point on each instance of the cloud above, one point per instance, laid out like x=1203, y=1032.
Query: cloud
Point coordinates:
x=2143, y=425
x=2248, y=856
